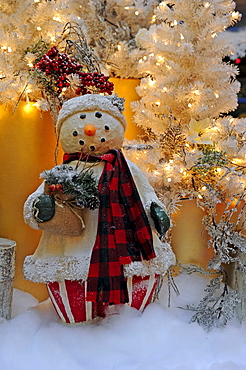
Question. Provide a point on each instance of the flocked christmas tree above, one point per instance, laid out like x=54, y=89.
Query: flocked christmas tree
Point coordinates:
x=103, y=32
x=195, y=149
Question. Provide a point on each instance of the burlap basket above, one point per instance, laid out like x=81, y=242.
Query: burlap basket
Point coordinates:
x=67, y=219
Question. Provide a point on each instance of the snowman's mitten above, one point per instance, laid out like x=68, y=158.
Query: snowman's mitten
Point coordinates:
x=161, y=219
x=43, y=208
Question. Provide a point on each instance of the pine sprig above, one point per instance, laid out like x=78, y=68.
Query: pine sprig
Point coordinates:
x=38, y=50
x=82, y=185
x=217, y=307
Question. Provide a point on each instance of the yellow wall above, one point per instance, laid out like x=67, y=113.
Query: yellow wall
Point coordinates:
x=126, y=88
x=27, y=144
x=189, y=239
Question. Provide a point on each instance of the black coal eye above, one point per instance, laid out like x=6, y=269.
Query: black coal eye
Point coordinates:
x=82, y=116
x=98, y=114
x=81, y=142
x=75, y=133
x=106, y=127
x=103, y=140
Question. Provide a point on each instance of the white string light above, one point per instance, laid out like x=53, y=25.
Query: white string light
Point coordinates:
x=196, y=92
x=57, y=18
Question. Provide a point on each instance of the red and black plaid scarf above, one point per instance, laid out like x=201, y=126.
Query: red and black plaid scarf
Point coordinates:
x=123, y=235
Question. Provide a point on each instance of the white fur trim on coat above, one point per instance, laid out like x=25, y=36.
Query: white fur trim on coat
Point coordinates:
x=50, y=269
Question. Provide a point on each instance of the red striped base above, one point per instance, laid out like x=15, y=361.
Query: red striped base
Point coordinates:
x=68, y=298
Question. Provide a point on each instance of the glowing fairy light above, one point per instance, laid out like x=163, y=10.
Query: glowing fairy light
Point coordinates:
x=39, y=28
x=169, y=179
x=164, y=89
x=151, y=83
x=57, y=18
x=181, y=36
x=204, y=188
x=207, y=5
x=30, y=64
x=28, y=107
x=136, y=12
x=196, y=92
x=216, y=95
x=214, y=35
x=189, y=105
x=199, y=196
x=158, y=103
x=4, y=47
x=238, y=161
x=9, y=49
x=160, y=59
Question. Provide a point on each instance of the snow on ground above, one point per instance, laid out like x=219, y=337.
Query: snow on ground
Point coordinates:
x=159, y=339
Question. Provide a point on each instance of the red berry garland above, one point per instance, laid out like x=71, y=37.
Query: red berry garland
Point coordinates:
x=59, y=66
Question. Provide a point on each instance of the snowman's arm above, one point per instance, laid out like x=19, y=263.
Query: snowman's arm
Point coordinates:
x=154, y=208
x=28, y=208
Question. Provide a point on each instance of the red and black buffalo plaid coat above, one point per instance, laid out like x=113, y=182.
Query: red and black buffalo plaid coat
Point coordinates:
x=123, y=235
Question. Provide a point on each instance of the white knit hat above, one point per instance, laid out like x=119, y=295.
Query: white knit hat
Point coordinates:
x=90, y=102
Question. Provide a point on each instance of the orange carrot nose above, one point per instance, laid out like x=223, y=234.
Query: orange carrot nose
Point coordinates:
x=90, y=129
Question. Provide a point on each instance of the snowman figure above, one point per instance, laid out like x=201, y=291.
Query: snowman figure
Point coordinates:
x=119, y=253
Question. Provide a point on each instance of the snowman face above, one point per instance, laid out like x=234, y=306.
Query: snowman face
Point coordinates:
x=94, y=132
